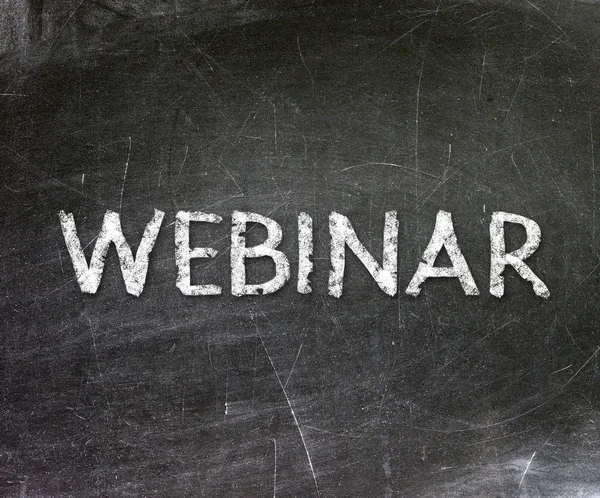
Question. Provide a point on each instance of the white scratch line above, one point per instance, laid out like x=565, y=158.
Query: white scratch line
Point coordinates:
x=187, y=148
x=527, y=412
x=544, y=48
x=537, y=407
x=524, y=473
x=274, y=467
x=593, y=179
x=289, y=404
x=549, y=19
x=98, y=364
x=69, y=18
x=402, y=36
x=417, y=128
x=482, y=70
x=512, y=101
x=125, y=175
x=394, y=165
x=275, y=124
x=294, y=365
x=561, y=369
x=305, y=66
x=222, y=166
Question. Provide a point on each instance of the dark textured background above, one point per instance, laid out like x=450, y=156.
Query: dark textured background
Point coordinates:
x=481, y=105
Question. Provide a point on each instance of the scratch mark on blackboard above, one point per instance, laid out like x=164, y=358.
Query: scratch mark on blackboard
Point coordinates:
x=417, y=128
x=310, y=464
x=482, y=70
x=394, y=165
x=187, y=148
x=222, y=166
x=512, y=101
x=587, y=276
x=339, y=434
x=402, y=36
x=312, y=81
x=593, y=182
x=501, y=437
x=125, y=174
x=550, y=19
x=561, y=369
x=275, y=124
x=274, y=467
x=544, y=48
x=537, y=407
x=98, y=364
x=512, y=158
x=524, y=473
x=294, y=365
x=572, y=338
x=226, y=393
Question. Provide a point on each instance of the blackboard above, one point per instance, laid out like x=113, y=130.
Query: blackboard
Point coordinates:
x=314, y=107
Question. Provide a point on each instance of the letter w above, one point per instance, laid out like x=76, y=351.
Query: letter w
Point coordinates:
x=134, y=271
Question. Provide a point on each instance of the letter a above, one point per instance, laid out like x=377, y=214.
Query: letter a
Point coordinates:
x=443, y=236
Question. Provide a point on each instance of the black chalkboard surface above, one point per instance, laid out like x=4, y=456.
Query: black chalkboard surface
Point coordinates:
x=283, y=108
